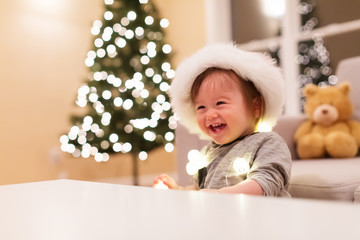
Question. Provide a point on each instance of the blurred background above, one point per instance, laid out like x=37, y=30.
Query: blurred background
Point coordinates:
x=44, y=44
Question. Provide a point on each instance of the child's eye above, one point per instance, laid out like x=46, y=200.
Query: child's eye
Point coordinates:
x=220, y=102
x=200, y=107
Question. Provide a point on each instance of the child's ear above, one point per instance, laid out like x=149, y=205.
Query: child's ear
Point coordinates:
x=257, y=107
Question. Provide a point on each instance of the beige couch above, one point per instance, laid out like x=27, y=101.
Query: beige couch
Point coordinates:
x=332, y=179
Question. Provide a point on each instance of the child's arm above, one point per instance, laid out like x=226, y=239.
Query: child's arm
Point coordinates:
x=171, y=183
x=249, y=186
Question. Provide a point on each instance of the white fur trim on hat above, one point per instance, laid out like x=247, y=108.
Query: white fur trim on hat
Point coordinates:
x=252, y=66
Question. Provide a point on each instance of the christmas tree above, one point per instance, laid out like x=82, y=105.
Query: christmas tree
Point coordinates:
x=124, y=97
x=313, y=58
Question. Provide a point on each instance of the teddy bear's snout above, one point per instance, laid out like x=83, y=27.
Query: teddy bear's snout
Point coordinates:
x=325, y=114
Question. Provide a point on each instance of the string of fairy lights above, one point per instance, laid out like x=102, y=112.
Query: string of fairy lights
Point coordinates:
x=91, y=96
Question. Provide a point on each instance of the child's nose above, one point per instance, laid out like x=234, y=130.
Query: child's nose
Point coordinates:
x=211, y=114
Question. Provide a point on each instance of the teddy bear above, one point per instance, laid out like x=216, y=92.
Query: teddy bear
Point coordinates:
x=329, y=130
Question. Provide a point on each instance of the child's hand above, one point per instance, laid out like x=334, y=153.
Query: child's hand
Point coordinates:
x=167, y=180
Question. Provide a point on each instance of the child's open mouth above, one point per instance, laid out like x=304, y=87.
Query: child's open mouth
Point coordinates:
x=216, y=128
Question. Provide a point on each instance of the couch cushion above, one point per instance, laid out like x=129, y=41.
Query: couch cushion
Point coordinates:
x=335, y=179
x=357, y=195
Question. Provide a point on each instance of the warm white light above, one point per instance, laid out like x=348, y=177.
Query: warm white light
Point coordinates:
x=74, y=131
x=97, y=23
x=118, y=101
x=64, y=139
x=157, y=78
x=149, y=20
x=71, y=148
x=100, y=53
x=139, y=31
x=150, y=136
x=93, y=151
x=113, y=137
x=129, y=84
x=149, y=72
x=241, y=166
x=160, y=185
x=100, y=133
x=128, y=103
x=117, y=27
x=164, y=23
x=128, y=128
x=151, y=53
x=151, y=45
x=164, y=86
x=94, y=128
x=83, y=90
x=91, y=54
x=131, y=15
x=76, y=153
x=95, y=30
x=124, y=21
x=99, y=107
x=104, y=144
x=144, y=93
x=156, y=107
x=97, y=76
x=111, y=49
x=127, y=147
x=105, y=119
x=108, y=15
x=98, y=157
x=93, y=97
x=117, y=147
x=140, y=123
x=165, y=66
x=106, y=94
x=170, y=74
x=89, y=62
x=153, y=123
x=129, y=34
x=193, y=154
x=98, y=42
x=196, y=161
x=172, y=122
x=143, y=1
x=109, y=2
x=169, y=147
x=143, y=155
x=169, y=136
x=145, y=60
x=106, y=157
x=85, y=153
x=117, y=82
x=166, y=106
x=166, y=48
x=88, y=120
x=191, y=168
x=110, y=79
x=160, y=98
x=263, y=127
x=82, y=140
x=273, y=8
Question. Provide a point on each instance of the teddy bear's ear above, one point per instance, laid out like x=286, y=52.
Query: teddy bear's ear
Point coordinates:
x=310, y=89
x=344, y=88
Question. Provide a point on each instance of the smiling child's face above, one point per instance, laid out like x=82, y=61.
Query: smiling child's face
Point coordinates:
x=221, y=110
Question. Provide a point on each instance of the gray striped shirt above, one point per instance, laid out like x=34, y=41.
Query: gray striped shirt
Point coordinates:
x=263, y=157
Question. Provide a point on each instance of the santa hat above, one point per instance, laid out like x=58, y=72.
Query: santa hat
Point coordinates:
x=251, y=66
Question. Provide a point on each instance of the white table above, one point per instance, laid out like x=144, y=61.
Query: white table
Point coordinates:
x=66, y=209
